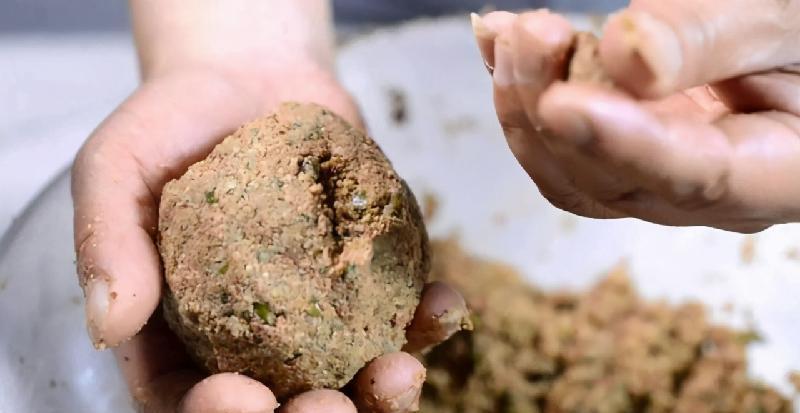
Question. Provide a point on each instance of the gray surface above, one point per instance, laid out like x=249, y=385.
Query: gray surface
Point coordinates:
x=47, y=364
x=99, y=15
x=61, y=15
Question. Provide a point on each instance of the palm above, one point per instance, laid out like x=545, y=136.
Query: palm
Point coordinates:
x=153, y=137
x=743, y=134
x=150, y=139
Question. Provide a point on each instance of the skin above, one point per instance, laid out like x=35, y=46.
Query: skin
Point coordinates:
x=207, y=67
x=703, y=128
x=379, y=392
x=441, y=313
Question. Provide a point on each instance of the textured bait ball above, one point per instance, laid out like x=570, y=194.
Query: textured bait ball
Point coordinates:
x=293, y=253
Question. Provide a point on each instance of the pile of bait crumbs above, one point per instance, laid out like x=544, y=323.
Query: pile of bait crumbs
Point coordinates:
x=602, y=351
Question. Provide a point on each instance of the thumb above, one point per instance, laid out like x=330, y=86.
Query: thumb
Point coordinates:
x=655, y=48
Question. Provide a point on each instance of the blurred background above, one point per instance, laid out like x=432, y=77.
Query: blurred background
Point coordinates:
x=64, y=65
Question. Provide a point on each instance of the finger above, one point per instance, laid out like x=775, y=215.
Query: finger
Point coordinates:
x=329, y=401
x=540, y=43
x=226, y=393
x=486, y=29
x=775, y=90
x=441, y=313
x=116, y=182
x=591, y=175
x=683, y=160
x=391, y=383
x=525, y=139
x=118, y=175
x=118, y=264
x=764, y=163
x=603, y=180
x=162, y=379
x=692, y=170
x=655, y=48
x=700, y=103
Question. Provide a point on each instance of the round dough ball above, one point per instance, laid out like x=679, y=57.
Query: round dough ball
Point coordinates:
x=293, y=253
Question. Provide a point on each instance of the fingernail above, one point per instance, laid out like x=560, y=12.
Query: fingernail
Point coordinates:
x=655, y=48
x=478, y=28
x=543, y=41
x=455, y=320
x=97, y=303
x=485, y=39
x=503, y=74
x=454, y=316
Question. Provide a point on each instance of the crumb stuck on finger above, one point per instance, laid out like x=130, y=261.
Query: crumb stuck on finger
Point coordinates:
x=585, y=65
x=441, y=313
x=391, y=383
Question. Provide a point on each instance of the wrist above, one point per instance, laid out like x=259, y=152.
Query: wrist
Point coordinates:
x=256, y=91
x=245, y=39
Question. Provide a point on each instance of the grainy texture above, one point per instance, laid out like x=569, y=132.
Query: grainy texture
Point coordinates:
x=603, y=351
x=584, y=65
x=293, y=253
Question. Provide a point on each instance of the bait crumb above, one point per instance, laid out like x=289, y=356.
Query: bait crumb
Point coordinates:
x=452, y=128
x=293, y=253
x=568, y=223
x=793, y=254
x=430, y=206
x=605, y=350
x=584, y=65
x=748, y=250
x=794, y=379
x=499, y=219
x=728, y=308
x=398, y=106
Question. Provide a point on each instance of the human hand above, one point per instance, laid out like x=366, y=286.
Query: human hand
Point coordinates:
x=204, y=77
x=166, y=125
x=703, y=128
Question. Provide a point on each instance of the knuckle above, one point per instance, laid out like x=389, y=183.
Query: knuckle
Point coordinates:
x=570, y=201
